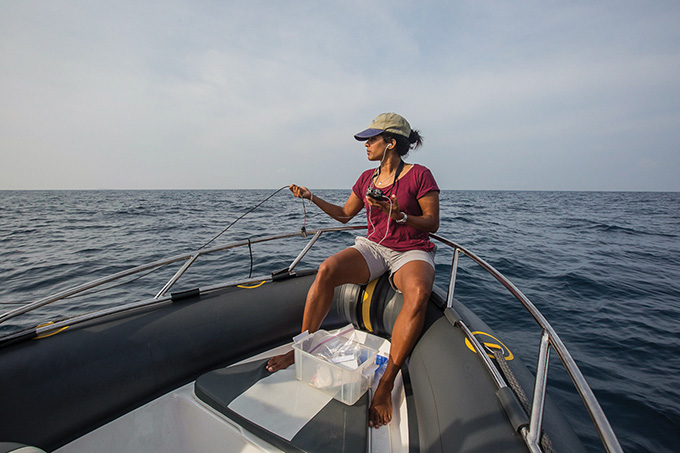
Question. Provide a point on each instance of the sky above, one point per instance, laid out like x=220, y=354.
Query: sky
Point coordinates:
x=197, y=94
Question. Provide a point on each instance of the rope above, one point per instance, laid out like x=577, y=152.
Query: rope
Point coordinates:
x=546, y=443
x=512, y=380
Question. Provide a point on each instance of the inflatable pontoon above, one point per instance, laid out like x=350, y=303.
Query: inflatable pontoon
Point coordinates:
x=184, y=372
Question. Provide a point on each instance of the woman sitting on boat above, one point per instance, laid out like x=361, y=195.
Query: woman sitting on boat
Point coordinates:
x=397, y=240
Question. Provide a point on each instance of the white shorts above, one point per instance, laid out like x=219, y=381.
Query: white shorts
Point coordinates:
x=381, y=259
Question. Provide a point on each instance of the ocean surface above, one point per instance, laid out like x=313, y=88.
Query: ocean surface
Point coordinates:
x=603, y=267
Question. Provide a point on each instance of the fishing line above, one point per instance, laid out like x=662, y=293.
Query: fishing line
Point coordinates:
x=242, y=216
x=94, y=291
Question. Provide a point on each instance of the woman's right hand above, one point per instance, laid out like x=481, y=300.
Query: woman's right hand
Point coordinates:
x=300, y=191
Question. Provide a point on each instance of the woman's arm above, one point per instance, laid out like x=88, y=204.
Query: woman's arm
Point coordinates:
x=429, y=221
x=340, y=213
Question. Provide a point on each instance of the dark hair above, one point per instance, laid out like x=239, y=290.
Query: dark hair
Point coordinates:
x=404, y=145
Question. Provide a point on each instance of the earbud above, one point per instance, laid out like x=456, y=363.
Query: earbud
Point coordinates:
x=389, y=146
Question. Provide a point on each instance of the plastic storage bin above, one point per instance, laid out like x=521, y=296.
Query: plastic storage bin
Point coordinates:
x=335, y=364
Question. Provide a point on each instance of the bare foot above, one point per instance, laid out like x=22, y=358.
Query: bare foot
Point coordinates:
x=380, y=412
x=279, y=362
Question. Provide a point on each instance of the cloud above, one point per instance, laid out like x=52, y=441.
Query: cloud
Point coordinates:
x=258, y=94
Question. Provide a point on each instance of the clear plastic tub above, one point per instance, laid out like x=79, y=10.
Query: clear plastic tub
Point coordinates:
x=335, y=364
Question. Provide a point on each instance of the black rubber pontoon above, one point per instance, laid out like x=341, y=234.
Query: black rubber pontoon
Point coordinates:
x=63, y=386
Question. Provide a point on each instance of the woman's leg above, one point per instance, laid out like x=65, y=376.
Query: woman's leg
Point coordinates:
x=347, y=266
x=415, y=280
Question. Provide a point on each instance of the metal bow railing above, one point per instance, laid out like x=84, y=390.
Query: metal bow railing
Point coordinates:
x=549, y=337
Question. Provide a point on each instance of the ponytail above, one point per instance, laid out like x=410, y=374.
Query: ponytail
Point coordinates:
x=415, y=140
x=404, y=145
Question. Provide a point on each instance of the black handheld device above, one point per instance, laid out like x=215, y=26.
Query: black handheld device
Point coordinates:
x=376, y=194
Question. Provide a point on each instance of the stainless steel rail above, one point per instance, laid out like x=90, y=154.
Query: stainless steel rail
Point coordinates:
x=548, y=338
x=190, y=257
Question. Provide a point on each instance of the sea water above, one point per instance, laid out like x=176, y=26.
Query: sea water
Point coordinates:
x=603, y=267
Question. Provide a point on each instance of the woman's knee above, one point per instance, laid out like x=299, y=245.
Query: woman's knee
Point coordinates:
x=417, y=296
x=347, y=266
x=327, y=270
x=416, y=277
x=421, y=291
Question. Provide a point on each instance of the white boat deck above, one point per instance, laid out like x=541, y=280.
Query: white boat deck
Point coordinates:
x=179, y=421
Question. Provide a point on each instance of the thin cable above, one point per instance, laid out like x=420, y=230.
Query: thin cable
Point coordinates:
x=250, y=249
x=160, y=267
x=106, y=288
x=304, y=218
x=376, y=174
x=393, y=190
x=389, y=220
x=242, y=216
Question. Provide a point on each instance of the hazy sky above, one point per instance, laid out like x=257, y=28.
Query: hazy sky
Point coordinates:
x=511, y=95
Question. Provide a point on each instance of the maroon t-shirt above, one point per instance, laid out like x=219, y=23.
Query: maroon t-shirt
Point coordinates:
x=413, y=186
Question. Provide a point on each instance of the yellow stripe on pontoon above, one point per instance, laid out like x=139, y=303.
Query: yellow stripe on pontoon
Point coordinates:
x=257, y=285
x=49, y=334
x=498, y=345
x=366, y=305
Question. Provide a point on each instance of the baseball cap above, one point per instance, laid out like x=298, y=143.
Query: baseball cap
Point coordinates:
x=385, y=122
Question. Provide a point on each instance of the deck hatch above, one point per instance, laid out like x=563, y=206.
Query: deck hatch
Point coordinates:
x=345, y=427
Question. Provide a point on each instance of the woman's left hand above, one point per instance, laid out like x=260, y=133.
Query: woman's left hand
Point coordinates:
x=385, y=206
x=427, y=221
